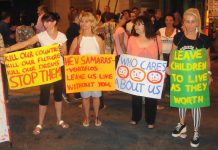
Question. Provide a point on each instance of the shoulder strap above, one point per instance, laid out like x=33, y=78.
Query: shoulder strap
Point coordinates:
x=77, y=46
x=78, y=40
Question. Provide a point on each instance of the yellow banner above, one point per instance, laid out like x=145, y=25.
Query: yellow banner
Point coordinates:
x=33, y=67
x=89, y=73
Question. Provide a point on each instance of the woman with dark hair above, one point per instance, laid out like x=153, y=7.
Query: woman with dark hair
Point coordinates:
x=167, y=34
x=50, y=36
x=144, y=43
x=178, y=20
x=41, y=11
x=120, y=38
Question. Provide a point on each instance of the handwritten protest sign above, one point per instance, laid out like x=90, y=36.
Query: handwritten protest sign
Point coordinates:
x=89, y=73
x=4, y=130
x=189, y=79
x=140, y=76
x=33, y=67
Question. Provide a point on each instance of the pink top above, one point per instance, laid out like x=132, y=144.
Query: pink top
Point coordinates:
x=149, y=52
x=117, y=47
x=39, y=25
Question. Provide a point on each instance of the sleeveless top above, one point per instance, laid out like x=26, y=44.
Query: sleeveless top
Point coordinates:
x=89, y=45
x=117, y=47
x=167, y=41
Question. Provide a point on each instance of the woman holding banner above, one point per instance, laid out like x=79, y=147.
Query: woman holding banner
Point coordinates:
x=46, y=38
x=88, y=43
x=144, y=43
x=191, y=39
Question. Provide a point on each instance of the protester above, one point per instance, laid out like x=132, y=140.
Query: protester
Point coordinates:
x=129, y=25
x=167, y=33
x=25, y=31
x=192, y=38
x=107, y=30
x=106, y=12
x=9, y=39
x=178, y=20
x=50, y=36
x=126, y=15
x=159, y=20
x=98, y=17
x=41, y=11
x=136, y=11
x=120, y=39
x=144, y=43
x=72, y=32
x=72, y=13
x=88, y=43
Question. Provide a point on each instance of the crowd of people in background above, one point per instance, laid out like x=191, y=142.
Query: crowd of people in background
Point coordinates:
x=144, y=34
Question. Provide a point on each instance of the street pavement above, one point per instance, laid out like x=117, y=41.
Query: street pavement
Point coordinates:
x=114, y=134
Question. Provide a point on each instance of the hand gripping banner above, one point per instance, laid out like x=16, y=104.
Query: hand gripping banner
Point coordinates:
x=140, y=76
x=33, y=67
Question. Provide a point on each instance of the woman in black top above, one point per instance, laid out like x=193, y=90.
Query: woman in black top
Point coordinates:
x=191, y=39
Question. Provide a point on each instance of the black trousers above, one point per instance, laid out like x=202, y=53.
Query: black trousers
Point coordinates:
x=45, y=91
x=4, y=81
x=101, y=101
x=150, y=109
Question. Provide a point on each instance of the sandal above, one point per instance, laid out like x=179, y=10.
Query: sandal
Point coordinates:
x=151, y=126
x=86, y=122
x=133, y=122
x=37, y=129
x=62, y=124
x=97, y=122
x=160, y=107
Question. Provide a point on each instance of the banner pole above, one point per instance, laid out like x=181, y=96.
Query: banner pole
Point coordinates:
x=115, y=6
x=108, y=4
x=98, y=6
x=4, y=108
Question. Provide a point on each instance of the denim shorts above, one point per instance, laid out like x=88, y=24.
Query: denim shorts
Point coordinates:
x=91, y=94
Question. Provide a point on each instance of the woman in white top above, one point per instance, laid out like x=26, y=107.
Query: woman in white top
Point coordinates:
x=88, y=43
x=48, y=37
x=167, y=34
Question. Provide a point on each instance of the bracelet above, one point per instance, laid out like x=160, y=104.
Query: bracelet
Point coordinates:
x=209, y=72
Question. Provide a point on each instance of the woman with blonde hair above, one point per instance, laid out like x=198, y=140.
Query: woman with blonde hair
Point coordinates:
x=191, y=39
x=88, y=43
